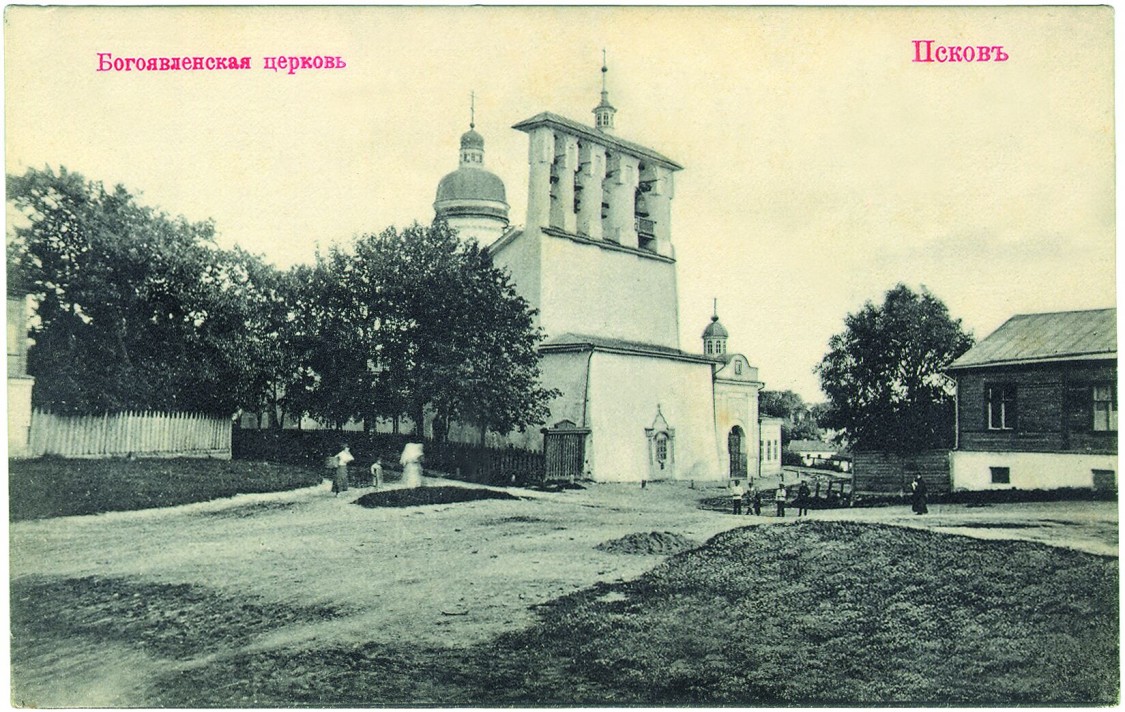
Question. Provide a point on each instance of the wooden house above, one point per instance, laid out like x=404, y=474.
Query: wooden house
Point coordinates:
x=1037, y=404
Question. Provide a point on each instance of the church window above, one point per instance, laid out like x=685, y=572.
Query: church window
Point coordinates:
x=738, y=367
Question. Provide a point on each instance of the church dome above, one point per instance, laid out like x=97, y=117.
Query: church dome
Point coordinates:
x=467, y=183
x=715, y=329
x=472, y=139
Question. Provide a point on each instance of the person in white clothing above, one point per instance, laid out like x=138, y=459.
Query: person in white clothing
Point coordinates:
x=340, y=481
x=411, y=462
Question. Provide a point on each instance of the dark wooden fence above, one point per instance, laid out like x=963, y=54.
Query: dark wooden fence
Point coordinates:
x=891, y=473
x=467, y=462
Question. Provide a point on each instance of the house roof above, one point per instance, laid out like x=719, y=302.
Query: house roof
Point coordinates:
x=810, y=446
x=1056, y=336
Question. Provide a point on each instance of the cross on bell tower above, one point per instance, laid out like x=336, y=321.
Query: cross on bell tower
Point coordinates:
x=604, y=111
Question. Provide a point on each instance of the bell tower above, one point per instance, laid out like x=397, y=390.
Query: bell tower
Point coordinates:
x=597, y=258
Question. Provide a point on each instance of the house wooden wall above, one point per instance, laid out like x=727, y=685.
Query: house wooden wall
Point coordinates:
x=1053, y=408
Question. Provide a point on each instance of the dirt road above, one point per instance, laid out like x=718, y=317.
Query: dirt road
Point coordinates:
x=450, y=575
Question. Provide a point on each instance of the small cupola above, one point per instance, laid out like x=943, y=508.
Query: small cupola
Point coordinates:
x=715, y=336
x=604, y=111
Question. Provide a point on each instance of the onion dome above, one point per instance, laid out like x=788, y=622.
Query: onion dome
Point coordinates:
x=715, y=329
x=472, y=139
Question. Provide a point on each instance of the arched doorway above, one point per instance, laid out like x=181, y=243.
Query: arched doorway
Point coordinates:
x=736, y=447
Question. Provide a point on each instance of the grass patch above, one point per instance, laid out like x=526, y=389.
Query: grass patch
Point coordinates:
x=817, y=613
x=55, y=487
x=173, y=621
x=422, y=496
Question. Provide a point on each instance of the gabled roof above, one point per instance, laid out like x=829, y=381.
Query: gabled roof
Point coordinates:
x=1037, y=338
x=810, y=446
x=548, y=119
x=506, y=239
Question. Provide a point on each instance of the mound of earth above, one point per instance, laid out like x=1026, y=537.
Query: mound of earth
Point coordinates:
x=557, y=486
x=663, y=543
x=421, y=496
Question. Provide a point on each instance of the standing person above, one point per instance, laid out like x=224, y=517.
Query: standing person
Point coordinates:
x=918, y=495
x=748, y=499
x=340, y=481
x=802, y=499
x=736, y=493
x=377, y=473
x=757, y=503
x=779, y=499
x=411, y=462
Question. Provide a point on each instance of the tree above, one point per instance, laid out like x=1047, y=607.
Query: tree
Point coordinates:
x=797, y=419
x=135, y=309
x=415, y=321
x=884, y=373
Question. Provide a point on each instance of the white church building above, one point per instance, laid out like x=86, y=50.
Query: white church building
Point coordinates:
x=596, y=258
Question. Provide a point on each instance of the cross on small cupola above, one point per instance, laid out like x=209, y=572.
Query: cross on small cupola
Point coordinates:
x=715, y=335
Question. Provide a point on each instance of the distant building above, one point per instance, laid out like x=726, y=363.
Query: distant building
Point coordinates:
x=1037, y=404
x=810, y=451
x=770, y=446
x=19, y=383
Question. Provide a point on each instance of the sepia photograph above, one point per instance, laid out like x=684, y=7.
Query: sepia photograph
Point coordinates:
x=561, y=356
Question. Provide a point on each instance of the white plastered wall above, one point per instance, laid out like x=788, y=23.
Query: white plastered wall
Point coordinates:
x=624, y=393
x=586, y=289
x=1027, y=470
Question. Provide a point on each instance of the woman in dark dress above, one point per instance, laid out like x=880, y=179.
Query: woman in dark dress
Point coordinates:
x=918, y=495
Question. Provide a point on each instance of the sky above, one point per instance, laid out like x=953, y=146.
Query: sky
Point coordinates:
x=822, y=166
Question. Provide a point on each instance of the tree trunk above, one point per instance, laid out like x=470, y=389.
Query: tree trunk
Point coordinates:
x=420, y=421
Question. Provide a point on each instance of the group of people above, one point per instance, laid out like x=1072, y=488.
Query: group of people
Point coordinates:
x=411, y=462
x=752, y=499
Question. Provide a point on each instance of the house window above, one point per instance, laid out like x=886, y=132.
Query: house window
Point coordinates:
x=1001, y=404
x=1001, y=475
x=1105, y=480
x=1105, y=408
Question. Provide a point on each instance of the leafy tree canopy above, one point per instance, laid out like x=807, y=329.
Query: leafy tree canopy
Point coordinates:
x=415, y=320
x=798, y=420
x=883, y=373
x=135, y=309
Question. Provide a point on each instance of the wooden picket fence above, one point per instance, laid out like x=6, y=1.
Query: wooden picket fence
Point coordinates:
x=147, y=434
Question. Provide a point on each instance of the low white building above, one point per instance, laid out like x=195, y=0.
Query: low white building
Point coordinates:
x=770, y=446
x=811, y=452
